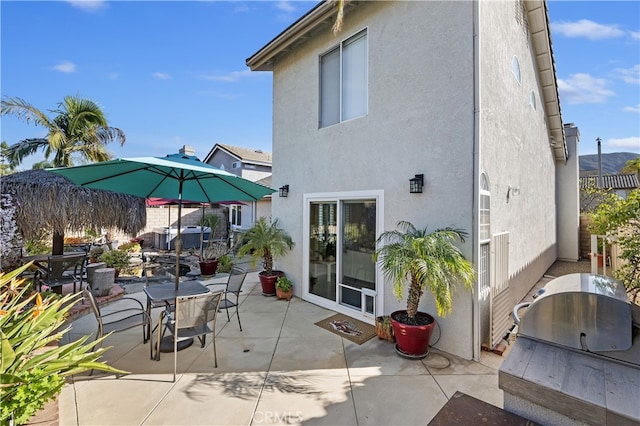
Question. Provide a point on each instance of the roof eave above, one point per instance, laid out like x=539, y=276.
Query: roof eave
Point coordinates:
x=321, y=14
x=538, y=19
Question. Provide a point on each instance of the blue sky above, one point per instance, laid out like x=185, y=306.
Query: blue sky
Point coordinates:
x=174, y=73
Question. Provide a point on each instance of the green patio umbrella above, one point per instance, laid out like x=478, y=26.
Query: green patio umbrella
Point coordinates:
x=179, y=176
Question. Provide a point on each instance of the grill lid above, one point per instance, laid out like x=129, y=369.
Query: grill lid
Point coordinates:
x=582, y=311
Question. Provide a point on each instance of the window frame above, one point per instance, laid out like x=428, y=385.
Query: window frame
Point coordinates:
x=340, y=48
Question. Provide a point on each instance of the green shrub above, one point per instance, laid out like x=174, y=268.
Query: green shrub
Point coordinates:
x=31, y=371
x=284, y=283
x=116, y=259
x=225, y=263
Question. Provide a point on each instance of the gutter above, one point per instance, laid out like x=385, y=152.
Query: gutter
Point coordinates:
x=475, y=237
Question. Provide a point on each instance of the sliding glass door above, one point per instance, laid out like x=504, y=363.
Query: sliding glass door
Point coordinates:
x=342, y=235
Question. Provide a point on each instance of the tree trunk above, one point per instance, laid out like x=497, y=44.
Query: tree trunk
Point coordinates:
x=413, y=298
x=58, y=243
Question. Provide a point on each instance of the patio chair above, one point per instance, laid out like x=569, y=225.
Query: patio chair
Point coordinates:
x=121, y=319
x=60, y=269
x=194, y=316
x=233, y=288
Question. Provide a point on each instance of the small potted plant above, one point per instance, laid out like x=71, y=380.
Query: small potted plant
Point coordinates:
x=284, y=288
x=214, y=250
x=266, y=241
x=384, y=328
x=422, y=260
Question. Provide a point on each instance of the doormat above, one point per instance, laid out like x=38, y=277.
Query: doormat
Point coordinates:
x=349, y=328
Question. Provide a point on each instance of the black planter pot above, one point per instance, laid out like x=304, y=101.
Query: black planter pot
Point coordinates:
x=268, y=282
x=412, y=341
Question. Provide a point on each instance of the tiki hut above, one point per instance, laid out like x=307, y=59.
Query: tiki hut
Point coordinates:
x=48, y=201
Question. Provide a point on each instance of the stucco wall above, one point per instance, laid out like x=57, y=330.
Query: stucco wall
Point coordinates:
x=515, y=148
x=420, y=120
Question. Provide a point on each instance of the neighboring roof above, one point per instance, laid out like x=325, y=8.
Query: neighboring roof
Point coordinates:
x=322, y=16
x=266, y=181
x=629, y=181
x=248, y=155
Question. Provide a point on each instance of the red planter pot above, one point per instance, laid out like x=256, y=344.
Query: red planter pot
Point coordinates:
x=412, y=341
x=268, y=282
x=209, y=267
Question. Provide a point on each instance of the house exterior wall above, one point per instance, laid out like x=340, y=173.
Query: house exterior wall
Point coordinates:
x=420, y=120
x=514, y=145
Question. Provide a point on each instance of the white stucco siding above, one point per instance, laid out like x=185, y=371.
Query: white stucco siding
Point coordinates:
x=514, y=145
x=419, y=120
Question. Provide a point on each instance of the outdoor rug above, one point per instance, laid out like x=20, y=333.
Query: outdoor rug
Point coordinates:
x=349, y=328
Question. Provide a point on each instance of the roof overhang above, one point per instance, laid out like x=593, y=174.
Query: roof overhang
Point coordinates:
x=538, y=17
x=322, y=16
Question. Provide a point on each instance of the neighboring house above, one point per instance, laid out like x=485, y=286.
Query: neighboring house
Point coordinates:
x=251, y=164
x=463, y=94
x=620, y=185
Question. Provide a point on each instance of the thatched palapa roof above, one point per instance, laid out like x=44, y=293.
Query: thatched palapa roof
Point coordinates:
x=49, y=201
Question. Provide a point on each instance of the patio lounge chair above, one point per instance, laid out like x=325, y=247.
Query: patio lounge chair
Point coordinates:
x=194, y=316
x=233, y=289
x=62, y=269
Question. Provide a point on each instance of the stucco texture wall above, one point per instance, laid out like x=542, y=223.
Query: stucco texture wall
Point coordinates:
x=420, y=120
x=514, y=149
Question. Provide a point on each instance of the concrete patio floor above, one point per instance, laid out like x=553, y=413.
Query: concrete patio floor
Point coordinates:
x=282, y=369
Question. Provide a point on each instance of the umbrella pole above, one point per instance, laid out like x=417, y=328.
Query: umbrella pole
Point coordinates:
x=178, y=237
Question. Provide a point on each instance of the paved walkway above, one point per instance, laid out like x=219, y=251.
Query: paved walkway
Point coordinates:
x=282, y=369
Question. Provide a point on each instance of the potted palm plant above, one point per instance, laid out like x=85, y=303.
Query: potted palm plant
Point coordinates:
x=422, y=260
x=213, y=250
x=266, y=241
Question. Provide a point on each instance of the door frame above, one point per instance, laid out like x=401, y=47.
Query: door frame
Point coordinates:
x=337, y=197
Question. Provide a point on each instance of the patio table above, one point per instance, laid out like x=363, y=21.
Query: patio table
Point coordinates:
x=166, y=292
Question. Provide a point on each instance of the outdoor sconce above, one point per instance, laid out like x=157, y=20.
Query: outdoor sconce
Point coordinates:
x=511, y=191
x=416, y=184
x=284, y=191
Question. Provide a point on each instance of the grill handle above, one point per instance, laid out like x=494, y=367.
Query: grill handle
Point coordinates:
x=516, y=308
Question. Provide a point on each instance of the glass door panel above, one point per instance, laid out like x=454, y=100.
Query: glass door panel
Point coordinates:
x=358, y=236
x=322, y=249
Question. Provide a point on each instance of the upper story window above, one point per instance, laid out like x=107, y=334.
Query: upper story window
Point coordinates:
x=343, y=81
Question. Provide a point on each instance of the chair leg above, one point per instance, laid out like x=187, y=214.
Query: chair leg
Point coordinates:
x=238, y=313
x=228, y=317
x=215, y=355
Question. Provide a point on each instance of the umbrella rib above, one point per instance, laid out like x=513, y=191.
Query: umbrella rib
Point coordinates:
x=198, y=179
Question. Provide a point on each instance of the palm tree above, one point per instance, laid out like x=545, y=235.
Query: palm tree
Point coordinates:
x=5, y=168
x=632, y=167
x=428, y=260
x=79, y=127
x=266, y=241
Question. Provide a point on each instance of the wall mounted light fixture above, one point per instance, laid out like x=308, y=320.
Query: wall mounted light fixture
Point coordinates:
x=511, y=191
x=283, y=191
x=416, y=184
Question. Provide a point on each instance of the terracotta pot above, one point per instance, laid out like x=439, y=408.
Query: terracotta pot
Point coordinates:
x=268, y=282
x=284, y=294
x=384, y=330
x=209, y=267
x=413, y=340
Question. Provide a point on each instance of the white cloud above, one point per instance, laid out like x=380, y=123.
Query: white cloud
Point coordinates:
x=230, y=77
x=285, y=6
x=634, y=109
x=587, y=29
x=66, y=67
x=632, y=143
x=629, y=75
x=161, y=76
x=635, y=35
x=583, y=89
x=88, y=5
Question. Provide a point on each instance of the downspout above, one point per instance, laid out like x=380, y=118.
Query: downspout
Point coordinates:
x=476, y=177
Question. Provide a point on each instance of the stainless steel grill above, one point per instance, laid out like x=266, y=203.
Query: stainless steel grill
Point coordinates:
x=586, y=312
